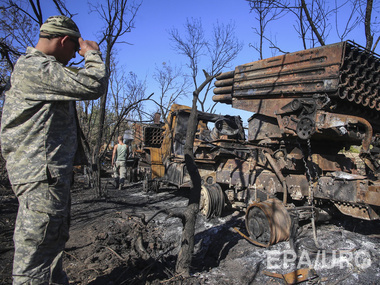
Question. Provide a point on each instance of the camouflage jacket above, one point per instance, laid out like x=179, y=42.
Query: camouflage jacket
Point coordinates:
x=39, y=132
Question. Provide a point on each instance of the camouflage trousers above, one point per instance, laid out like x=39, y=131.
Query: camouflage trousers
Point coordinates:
x=41, y=231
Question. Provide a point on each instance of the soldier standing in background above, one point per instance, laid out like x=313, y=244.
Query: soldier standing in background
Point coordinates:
x=119, y=159
x=40, y=141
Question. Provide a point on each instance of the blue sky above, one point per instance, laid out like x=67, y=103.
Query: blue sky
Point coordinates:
x=150, y=45
x=151, y=39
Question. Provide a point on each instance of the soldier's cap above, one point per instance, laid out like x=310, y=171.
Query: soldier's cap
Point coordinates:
x=60, y=26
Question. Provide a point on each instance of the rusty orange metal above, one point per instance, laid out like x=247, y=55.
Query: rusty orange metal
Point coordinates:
x=268, y=222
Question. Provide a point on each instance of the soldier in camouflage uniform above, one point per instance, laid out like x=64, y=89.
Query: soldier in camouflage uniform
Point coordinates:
x=41, y=143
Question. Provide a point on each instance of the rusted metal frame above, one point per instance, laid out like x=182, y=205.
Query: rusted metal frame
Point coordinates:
x=267, y=182
x=206, y=161
x=279, y=87
x=363, y=49
x=330, y=163
x=262, y=106
x=233, y=172
x=339, y=191
x=279, y=175
x=224, y=82
x=370, y=196
x=224, y=146
x=202, y=115
x=242, y=80
x=223, y=90
x=168, y=142
x=331, y=52
x=287, y=124
x=295, y=277
x=330, y=82
x=289, y=115
x=350, y=191
x=223, y=98
x=250, y=240
x=225, y=75
x=297, y=181
x=283, y=71
x=205, y=172
x=289, y=91
x=364, y=212
x=327, y=120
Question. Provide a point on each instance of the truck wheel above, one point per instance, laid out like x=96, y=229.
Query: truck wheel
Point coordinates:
x=268, y=222
x=211, y=203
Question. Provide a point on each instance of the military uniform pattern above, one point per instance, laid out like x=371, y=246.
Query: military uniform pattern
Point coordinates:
x=39, y=139
x=38, y=127
x=43, y=217
x=60, y=25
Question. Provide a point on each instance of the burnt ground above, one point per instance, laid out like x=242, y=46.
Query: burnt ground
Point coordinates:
x=109, y=244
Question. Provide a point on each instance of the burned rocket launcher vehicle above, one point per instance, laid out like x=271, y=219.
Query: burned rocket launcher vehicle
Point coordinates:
x=309, y=109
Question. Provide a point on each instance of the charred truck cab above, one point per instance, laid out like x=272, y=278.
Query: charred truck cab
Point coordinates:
x=218, y=152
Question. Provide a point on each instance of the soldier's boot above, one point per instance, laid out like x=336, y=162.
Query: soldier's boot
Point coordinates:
x=121, y=183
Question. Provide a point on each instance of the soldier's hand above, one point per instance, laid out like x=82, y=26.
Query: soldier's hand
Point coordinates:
x=86, y=46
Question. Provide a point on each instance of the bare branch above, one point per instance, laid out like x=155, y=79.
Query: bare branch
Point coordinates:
x=173, y=85
x=350, y=24
x=376, y=43
x=61, y=7
x=266, y=12
x=37, y=11
x=312, y=24
x=124, y=113
x=221, y=48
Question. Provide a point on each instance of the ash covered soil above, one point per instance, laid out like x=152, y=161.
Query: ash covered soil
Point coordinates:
x=110, y=244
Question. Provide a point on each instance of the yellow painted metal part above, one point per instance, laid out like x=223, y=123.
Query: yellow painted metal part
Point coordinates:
x=158, y=169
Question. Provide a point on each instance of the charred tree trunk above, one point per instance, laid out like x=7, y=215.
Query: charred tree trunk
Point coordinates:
x=367, y=25
x=100, y=129
x=187, y=241
x=119, y=18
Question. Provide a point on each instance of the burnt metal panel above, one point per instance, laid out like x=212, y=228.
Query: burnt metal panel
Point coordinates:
x=263, y=127
x=371, y=196
x=234, y=172
x=307, y=71
x=175, y=172
x=349, y=191
x=261, y=106
x=343, y=70
x=153, y=136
